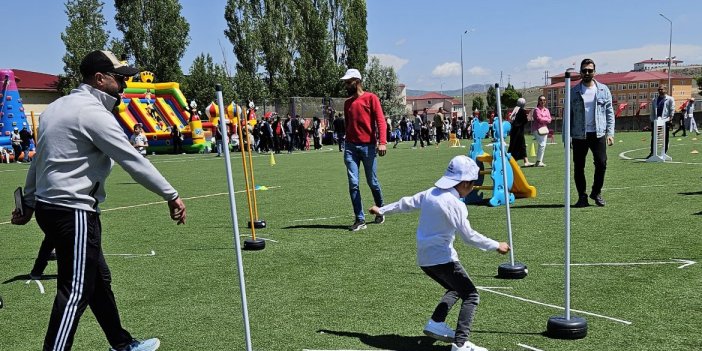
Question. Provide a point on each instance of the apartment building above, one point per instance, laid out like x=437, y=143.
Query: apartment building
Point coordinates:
x=631, y=91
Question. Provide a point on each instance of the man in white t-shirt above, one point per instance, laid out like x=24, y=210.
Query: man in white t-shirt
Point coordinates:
x=591, y=128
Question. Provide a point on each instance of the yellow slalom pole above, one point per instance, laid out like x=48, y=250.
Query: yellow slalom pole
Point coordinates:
x=245, y=136
x=253, y=181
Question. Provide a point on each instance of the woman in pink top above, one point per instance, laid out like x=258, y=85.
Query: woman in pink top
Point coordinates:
x=540, y=118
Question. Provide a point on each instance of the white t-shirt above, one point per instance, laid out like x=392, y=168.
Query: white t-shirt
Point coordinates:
x=589, y=99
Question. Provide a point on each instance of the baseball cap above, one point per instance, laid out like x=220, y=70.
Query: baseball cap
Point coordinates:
x=461, y=168
x=351, y=73
x=105, y=61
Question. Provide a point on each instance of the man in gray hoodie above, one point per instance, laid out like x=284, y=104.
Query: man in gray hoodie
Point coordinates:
x=78, y=140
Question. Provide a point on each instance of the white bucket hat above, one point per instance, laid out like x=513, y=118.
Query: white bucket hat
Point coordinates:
x=461, y=168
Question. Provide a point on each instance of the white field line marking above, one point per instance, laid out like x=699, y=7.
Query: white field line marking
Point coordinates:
x=672, y=261
x=555, y=306
x=185, y=198
x=316, y=219
x=13, y=170
x=162, y=202
x=493, y=287
x=152, y=253
x=234, y=155
x=623, y=156
x=41, y=286
x=529, y=347
x=259, y=237
x=626, y=188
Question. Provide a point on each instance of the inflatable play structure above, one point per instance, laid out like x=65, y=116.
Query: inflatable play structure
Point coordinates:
x=158, y=107
x=516, y=181
x=12, y=114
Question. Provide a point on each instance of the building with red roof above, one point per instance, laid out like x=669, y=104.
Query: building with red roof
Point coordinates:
x=36, y=89
x=432, y=101
x=648, y=65
x=631, y=91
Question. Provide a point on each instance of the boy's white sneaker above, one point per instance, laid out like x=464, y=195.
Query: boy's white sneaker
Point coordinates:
x=468, y=346
x=439, y=331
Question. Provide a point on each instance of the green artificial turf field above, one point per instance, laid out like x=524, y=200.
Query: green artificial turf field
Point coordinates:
x=317, y=286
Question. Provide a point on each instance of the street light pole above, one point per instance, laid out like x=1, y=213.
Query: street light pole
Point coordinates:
x=670, y=52
x=463, y=95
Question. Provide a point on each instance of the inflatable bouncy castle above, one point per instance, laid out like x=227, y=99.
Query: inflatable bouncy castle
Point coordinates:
x=160, y=107
x=11, y=110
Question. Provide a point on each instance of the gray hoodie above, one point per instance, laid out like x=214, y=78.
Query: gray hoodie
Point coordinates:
x=78, y=138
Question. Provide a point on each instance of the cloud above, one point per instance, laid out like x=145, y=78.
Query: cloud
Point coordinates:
x=448, y=69
x=539, y=62
x=623, y=60
x=390, y=60
x=479, y=71
x=400, y=42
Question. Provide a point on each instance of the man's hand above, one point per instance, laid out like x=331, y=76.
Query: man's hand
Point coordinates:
x=382, y=150
x=503, y=248
x=375, y=210
x=610, y=140
x=22, y=219
x=177, y=209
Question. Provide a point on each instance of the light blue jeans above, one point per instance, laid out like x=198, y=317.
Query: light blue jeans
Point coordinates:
x=354, y=155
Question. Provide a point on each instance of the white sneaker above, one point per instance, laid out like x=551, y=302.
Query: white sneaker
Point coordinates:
x=145, y=345
x=439, y=331
x=468, y=346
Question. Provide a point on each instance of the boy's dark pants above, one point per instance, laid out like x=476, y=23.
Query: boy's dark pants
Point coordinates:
x=456, y=281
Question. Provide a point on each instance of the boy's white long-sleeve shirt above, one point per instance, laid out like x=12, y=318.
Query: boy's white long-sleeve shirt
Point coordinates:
x=442, y=214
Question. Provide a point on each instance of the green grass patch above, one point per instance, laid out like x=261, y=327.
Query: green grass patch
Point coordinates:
x=322, y=287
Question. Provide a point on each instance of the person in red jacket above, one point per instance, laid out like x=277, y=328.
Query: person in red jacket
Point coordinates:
x=365, y=136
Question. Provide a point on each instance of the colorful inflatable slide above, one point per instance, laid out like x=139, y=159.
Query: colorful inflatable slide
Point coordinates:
x=160, y=107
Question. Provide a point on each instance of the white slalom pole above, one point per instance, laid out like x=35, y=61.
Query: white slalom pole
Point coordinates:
x=511, y=270
x=567, y=327
x=566, y=189
x=504, y=175
x=232, y=206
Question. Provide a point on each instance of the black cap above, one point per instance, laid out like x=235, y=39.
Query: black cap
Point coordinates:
x=104, y=61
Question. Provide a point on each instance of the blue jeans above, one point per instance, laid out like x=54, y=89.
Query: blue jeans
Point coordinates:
x=354, y=154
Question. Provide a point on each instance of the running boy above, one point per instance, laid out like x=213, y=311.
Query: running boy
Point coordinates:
x=442, y=213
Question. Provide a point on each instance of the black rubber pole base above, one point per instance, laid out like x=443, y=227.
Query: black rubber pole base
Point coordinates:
x=261, y=223
x=562, y=328
x=509, y=271
x=254, y=245
x=2, y=303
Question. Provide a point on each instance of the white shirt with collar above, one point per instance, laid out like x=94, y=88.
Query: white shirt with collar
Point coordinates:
x=442, y=214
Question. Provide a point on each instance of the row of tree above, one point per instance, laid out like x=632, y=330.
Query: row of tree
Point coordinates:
x=508, y=99
x=283, y=48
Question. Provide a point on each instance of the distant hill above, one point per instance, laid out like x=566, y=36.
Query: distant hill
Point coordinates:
x=473, y=88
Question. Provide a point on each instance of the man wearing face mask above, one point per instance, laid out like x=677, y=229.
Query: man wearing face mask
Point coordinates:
x=78, y=140
x=365, y=136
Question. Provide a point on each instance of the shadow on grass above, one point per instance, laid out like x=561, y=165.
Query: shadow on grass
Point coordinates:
x=539, y=206
x=25, y=277
x=392, y=341
x=691, y=193
x=318, y=226
x=505, y=332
